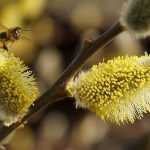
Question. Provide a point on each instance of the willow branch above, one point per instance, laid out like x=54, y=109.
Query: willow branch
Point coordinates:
x=57, y=92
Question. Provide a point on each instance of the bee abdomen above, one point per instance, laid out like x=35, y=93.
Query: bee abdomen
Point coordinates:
x=3, y=36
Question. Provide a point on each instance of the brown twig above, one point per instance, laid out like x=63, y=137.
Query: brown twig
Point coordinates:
x=57, y=92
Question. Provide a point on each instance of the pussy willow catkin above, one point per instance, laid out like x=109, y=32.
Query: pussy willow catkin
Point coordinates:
x=118, y=90
x=136, y=16
x=18, y=89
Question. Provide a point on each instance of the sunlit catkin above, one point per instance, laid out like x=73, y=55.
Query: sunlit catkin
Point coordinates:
x=136, y=17
x=118, y=90
x=18, y=89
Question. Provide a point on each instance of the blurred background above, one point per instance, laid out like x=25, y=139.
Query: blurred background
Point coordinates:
x=57, y=29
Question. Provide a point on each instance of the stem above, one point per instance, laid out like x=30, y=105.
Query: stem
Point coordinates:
x=57, y=92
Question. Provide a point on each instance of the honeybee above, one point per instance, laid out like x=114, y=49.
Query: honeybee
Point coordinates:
x=9, y=35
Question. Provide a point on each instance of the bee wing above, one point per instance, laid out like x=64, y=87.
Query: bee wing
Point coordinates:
x=3, y=28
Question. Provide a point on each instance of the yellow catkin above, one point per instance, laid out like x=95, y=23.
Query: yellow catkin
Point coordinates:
x=118, y=90
x=18, y=88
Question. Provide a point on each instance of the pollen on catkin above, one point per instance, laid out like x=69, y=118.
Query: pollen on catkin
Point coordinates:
x=18, y=89
x=135, y=17
x=117, y=90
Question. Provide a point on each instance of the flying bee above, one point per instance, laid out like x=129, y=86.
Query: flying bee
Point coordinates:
x=10, y=35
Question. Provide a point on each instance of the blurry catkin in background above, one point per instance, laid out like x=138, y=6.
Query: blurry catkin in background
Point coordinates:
x=136, y=17
x=117, y=91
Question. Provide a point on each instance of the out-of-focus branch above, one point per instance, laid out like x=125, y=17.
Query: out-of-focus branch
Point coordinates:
x=57, y=92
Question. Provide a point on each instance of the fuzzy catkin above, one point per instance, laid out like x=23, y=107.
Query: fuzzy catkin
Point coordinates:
x=136, y=17
x=118, y=90
x=18, y=89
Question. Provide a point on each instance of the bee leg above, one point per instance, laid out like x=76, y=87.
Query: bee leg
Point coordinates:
x=5, y=46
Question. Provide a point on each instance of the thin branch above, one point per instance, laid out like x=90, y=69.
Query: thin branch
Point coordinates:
x=57, y=92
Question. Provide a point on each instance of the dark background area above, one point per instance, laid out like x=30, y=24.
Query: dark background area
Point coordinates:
x=57, y=29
